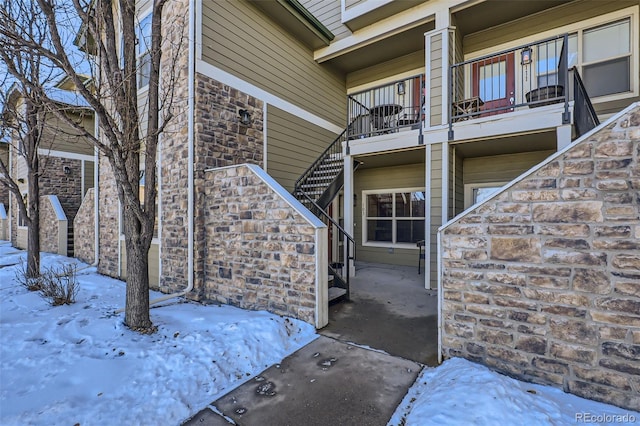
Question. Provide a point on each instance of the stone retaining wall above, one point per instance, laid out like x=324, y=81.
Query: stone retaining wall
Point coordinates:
x=84, y=229
x=261, y=252
x=542, y=282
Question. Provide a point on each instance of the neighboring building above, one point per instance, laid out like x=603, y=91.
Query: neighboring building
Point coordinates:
x=67, y=164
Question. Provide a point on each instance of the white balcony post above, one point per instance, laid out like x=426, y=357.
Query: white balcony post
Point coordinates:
x=349, y=218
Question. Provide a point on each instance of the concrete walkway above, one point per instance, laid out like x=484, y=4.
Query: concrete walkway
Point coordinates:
x=389, y=310
x=326, y=382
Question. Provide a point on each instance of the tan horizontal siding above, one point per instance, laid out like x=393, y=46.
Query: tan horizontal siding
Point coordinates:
x=500, y=168
x=89, y=174
x=408, y=176
x=436, y=209
x=564, y=15
x=237, y=38
x=293, y=144
x=328, y=12
x=59, y=136
x=435, y=84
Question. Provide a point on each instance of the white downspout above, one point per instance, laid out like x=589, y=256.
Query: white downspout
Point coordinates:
x=190, y=141
x=96, y=199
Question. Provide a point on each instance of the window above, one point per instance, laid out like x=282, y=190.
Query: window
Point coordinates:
x=492, y=84
x=606, y=52
x=477, y=192
x=394, y=217
x=548, y=58
x=143, y=54
x=21, y=219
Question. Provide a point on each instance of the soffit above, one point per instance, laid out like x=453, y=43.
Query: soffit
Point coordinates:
x=492, y=13
x=379, y=13
x=507, y=145
x=383, y=50
x=396, y=158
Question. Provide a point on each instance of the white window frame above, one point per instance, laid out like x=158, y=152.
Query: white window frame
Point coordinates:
x=632, y=12
x=141, y=18
x=469, y=187
x=393, y=218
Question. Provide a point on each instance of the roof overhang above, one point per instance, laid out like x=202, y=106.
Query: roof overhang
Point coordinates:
x=297, y=20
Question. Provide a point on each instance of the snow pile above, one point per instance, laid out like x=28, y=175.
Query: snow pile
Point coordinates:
x=459, y=392
x=79, y=364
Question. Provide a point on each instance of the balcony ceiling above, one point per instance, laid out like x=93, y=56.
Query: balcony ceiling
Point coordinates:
x=486, y=15
x=377, y=14
x=395, y=46
x=397, y=158
x=507, y=145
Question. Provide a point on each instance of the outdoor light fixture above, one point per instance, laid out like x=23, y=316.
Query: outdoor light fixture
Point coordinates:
x=245, y=117
x=401, y=88
x=526, y=56
x=67, y=170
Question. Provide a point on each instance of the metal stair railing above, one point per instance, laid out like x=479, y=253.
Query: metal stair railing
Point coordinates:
x=343, y=279
x=584, y=115
x=334, y=153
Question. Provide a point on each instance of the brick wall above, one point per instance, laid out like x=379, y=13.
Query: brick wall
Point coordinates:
x=542, y=282
x=84, y=229
x=261, y=253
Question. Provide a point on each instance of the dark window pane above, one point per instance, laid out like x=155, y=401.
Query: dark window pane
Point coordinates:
x=417, y=204
x=379, y=205
x=608, y=77
x=403, y=204
x=379, y=230
x=410, y=231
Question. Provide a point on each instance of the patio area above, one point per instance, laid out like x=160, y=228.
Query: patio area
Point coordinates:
x=389, y=310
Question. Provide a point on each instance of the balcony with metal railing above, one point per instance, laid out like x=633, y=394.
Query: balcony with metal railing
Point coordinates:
x=390, y=108
x=521, y=78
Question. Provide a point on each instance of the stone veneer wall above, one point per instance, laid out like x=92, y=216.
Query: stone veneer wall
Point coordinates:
x=84, y=229
x=50, y=228
x=542, y=282
x=108, y=229
x=260, y=252
x=67, y=187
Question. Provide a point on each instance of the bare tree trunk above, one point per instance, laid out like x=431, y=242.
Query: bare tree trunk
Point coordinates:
x=137, y=301
x=33, y=231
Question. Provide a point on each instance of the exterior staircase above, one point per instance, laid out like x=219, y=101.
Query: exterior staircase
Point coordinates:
x=316, y=189
x=70, y=243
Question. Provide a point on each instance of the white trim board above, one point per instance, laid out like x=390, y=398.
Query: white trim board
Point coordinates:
x=64, y=154
x=229, y=79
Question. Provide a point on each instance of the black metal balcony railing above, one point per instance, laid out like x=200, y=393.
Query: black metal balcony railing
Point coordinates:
x=526, y=76
x=386, y=109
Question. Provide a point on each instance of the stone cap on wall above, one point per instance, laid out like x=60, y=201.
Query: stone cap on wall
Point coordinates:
x=57, y=207
x=537, y=167
x=283, y=193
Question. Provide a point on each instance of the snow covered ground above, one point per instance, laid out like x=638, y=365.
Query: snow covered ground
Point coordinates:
x=78, y=364
x=459, y=392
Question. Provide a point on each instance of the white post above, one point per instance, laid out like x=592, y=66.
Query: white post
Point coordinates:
x=563, y=136
x=349, y=218
x=427, y=217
